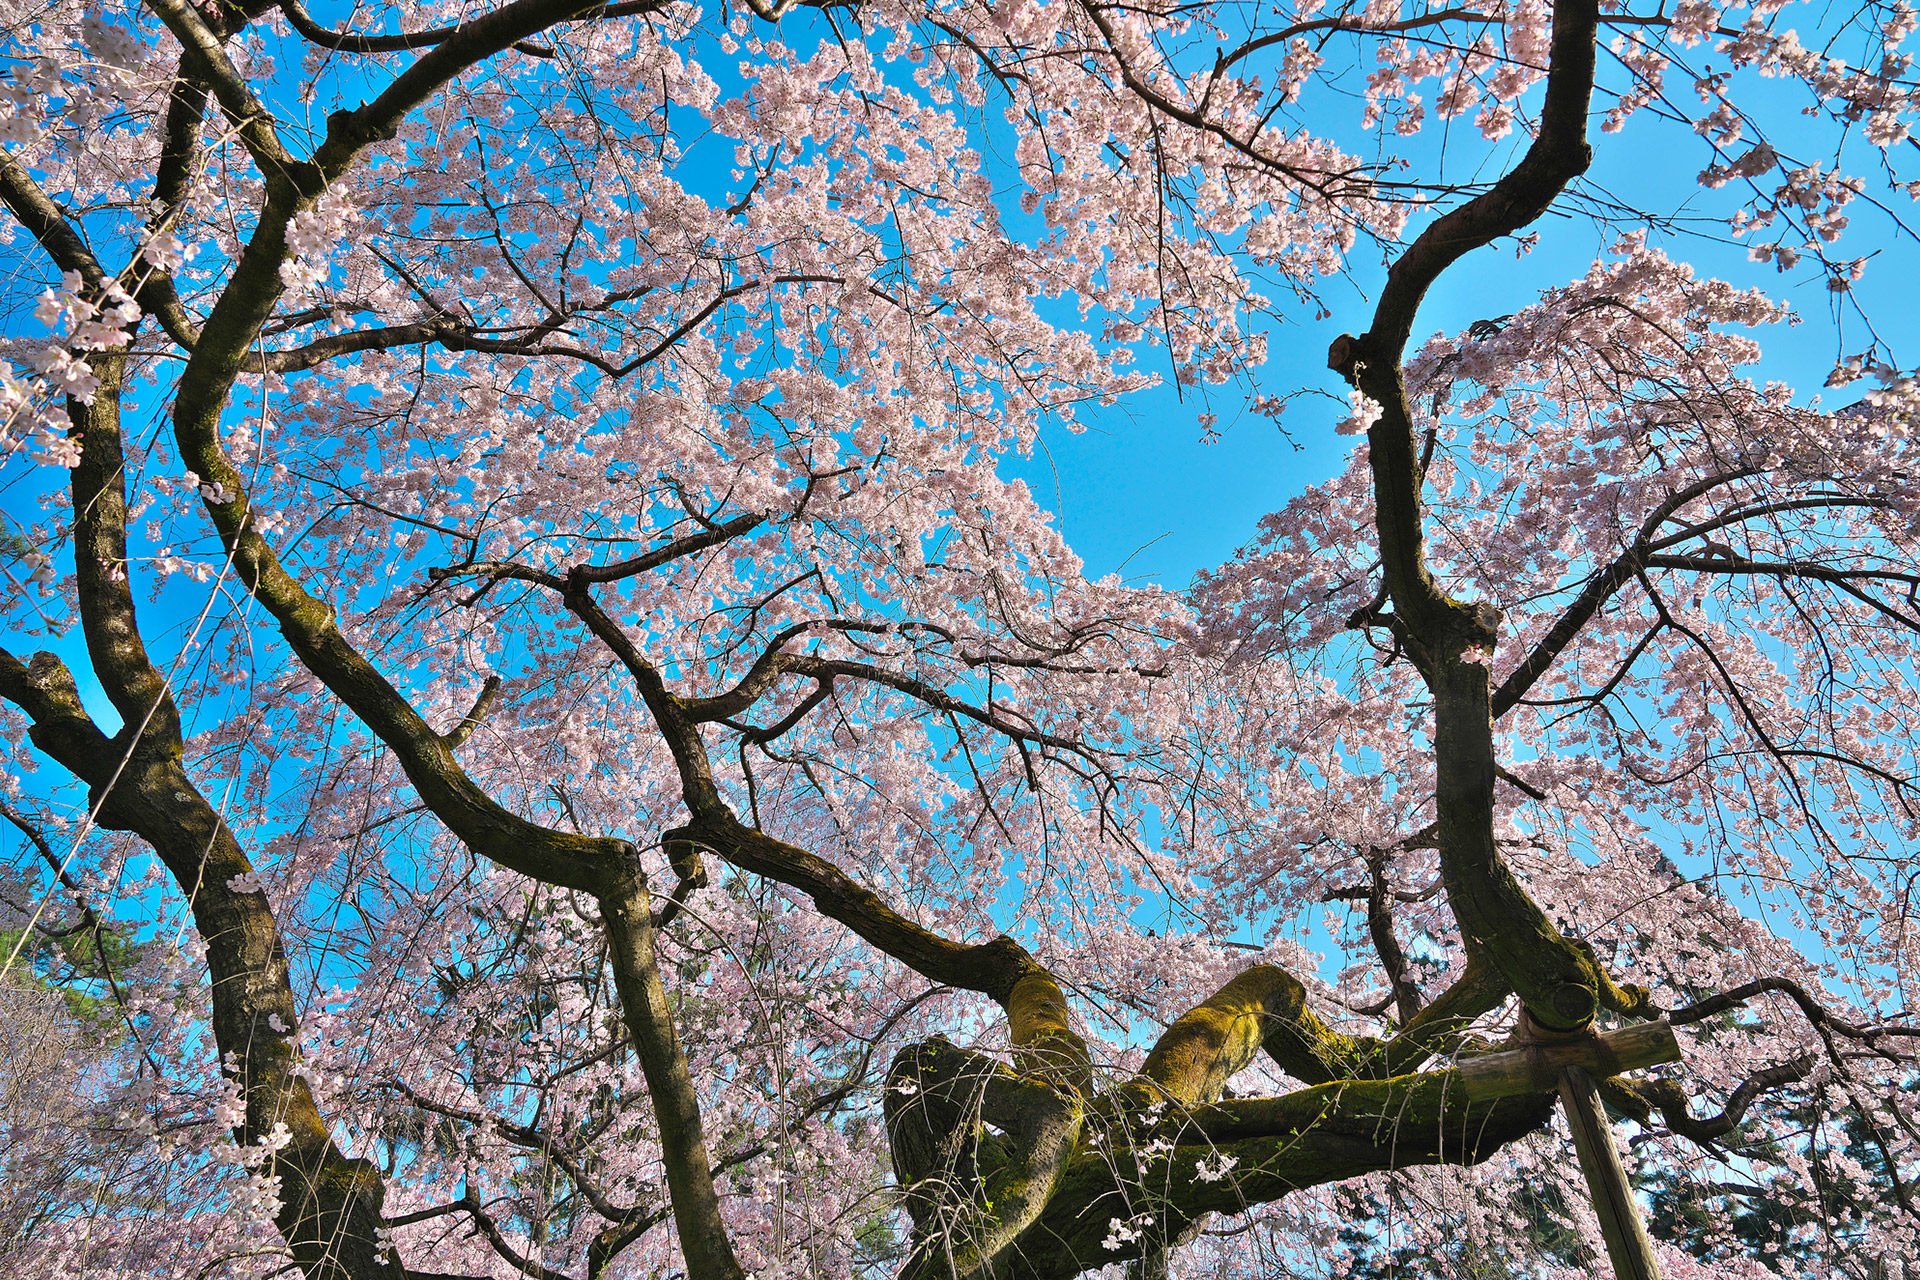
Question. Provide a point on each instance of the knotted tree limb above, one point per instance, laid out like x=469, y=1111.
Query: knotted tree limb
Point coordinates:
x=1157, y=1169
x=1264, y=1009
x=1234, y=1153
x=1006, y=1173
x=973, y=1194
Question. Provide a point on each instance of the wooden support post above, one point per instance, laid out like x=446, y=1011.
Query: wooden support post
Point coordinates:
x=1535, y=1065
x=1569, y=1064
x=1628, y=1247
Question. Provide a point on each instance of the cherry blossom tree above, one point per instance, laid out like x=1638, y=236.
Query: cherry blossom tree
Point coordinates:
x=610, y=775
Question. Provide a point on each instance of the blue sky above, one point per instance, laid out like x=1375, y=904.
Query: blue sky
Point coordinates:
x=1141, y=493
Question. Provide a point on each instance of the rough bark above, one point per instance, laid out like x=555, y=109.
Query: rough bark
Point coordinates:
x=1264, y=1007
x=676, y=1105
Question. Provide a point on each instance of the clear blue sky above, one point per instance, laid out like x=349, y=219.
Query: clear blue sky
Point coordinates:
x=1140, y=489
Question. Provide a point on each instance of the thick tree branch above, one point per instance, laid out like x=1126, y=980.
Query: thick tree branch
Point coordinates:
x=406, y=41
x=330, y=1205
x=1263, y=1008
x=973, y=1195
x=206, y=61
x=1451, y=641
x=956, y=1121
x=993, y=968
x=676, y=1102
x=1268, y=1147
x=47, y=223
